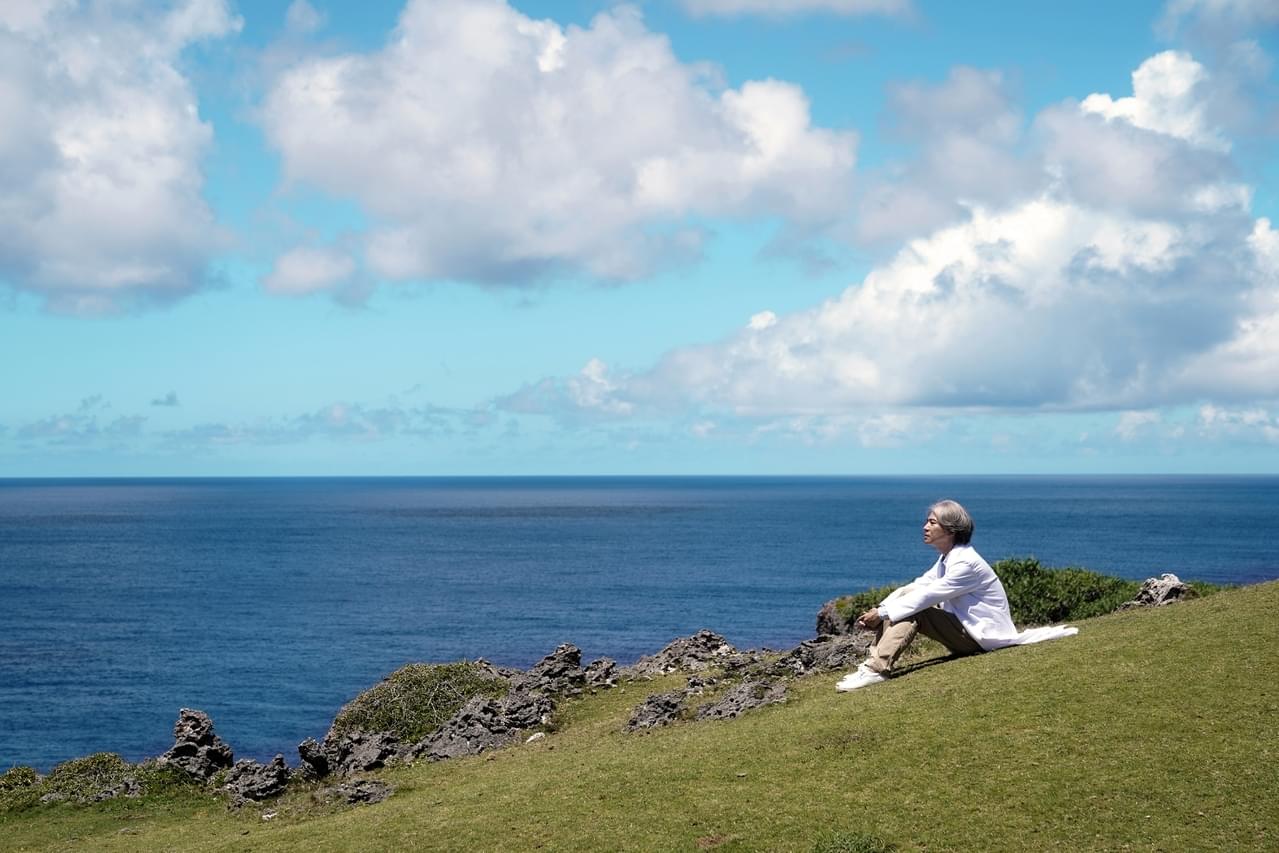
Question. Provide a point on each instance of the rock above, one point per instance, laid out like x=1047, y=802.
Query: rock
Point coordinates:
x=358, y=791
x=560, y=672
x=659, y=709
x=742, y=697
x=692, y=654
x=249, y=780
x=1156, y=592
x=315, y=761
x=128, y=788
x=824, y=654
x=830, y=622
x=536, y=736
x=601, y=673
x=197, y=749
x=484, y=723
x=357, y=752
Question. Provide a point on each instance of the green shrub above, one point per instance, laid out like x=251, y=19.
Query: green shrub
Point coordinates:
x=1040, y=596
x=417, y=699
x=18, y=777
x=1037, y=595
x=849, y=607
x=81, y=778
x=852, y=842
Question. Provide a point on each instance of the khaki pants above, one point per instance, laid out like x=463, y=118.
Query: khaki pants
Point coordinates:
x=932, y=622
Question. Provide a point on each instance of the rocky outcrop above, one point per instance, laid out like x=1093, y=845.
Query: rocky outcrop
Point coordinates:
x=824, y=654
x=1156, y=592
x=559, y=673
x=356, y=792
x=483, y=724
x=830, y=622
x=601, y=673
x=688, y=654
x=353, y=752
x=249, y=780
x=197, y=749
x=658, y=709
x=743, y=697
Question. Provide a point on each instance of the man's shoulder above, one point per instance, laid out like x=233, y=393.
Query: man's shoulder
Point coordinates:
x=967, y=554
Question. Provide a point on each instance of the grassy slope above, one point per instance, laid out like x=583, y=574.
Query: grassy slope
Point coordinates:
x=1151, y=730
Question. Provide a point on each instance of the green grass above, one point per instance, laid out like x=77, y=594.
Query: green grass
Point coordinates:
x=1151, y=730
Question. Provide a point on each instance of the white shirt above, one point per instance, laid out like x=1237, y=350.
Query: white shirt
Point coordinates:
x=965, y=585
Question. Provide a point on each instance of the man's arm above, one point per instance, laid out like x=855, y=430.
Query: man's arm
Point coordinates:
x=962, y=577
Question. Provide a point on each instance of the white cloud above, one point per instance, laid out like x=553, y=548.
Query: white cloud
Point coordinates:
x=1231, y=13
x=302, y=18
x=1133, y=425
x=100, y=158
x=968, y=131
x=1128, y=274
x=309, y=270
x=490, y=147
x=1167, y=98
x=1250, y=423
x=779, y=8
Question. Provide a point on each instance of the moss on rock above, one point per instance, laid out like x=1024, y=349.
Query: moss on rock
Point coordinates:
x=417, y=699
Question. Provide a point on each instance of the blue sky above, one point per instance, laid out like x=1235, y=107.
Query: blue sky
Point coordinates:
x=689, y=236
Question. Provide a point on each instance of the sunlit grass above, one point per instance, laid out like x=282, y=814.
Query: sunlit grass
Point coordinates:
x=1150, y=730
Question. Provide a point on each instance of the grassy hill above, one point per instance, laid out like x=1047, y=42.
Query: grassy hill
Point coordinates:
x=1150, y=730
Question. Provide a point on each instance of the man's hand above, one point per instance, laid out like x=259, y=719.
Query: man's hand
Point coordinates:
x=869, y=619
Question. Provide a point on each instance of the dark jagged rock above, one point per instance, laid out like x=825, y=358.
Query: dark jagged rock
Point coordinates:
x=249, y=780
x=197, y=749
x=824, y=654
x=560, y=672
x=830, y=622
x=484, y=723
x=690, y=654
x=353, y=752
x=315, y=760
x=601, y=673
x=1156, y=592
x=659, y=709
x=742, y=697
x=357, y=792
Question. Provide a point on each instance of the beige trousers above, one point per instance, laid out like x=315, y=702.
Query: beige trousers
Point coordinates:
x=895, y=637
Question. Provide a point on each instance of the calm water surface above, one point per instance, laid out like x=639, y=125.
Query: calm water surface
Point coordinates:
x=268, y=603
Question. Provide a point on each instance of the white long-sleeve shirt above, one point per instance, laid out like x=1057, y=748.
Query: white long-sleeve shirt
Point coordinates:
x=965, y=585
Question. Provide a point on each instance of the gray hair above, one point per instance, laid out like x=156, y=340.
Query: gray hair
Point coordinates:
x=954, y=519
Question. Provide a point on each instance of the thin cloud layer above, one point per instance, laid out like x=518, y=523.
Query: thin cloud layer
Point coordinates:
x=486, y=146
x=783, y=8
x=1123, y=271
x=100, y=156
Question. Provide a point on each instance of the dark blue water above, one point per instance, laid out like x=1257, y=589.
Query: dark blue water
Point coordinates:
x=269, y=603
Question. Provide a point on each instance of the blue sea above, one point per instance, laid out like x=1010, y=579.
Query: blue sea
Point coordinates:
x=269, y=603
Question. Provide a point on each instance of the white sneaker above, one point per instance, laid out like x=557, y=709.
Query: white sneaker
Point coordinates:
x=863, y=676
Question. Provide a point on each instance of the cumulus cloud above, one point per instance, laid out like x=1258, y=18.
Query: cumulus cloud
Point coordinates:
x=780, y=8
x=967, y=131
x=308, y=270
x=302, y=18
x=1167, y=98
x=1125, y=272
x=100, y=157
x=490, y=147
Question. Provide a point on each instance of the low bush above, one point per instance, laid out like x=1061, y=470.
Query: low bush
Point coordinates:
x=1037, y=595
x=417, y=699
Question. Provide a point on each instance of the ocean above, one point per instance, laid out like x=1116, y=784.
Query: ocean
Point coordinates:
x=268, y=603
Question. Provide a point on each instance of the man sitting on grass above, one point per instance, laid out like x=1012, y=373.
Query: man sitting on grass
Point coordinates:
x=959, y=602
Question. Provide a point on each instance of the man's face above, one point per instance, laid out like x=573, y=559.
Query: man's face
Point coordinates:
x=936, y=535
